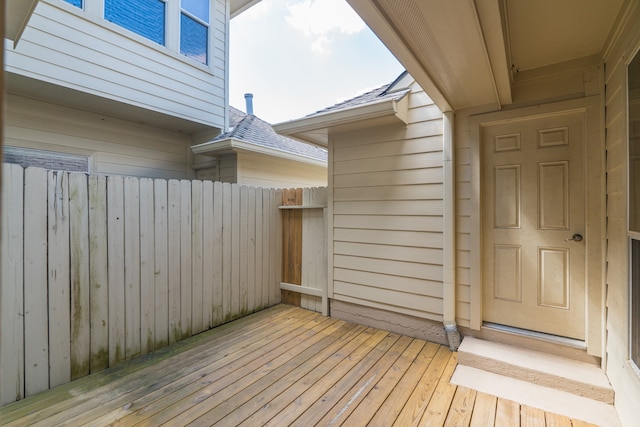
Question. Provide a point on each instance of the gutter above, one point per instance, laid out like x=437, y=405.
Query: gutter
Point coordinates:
x=449, y=247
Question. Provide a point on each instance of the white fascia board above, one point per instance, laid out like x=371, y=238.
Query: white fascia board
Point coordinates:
x=236, y=145
x=18, y=13
x=239, y=6
x=397, y=107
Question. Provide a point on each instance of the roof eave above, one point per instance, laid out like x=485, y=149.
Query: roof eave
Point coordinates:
x=18, y=13
x=315, y=129
x=236, y=145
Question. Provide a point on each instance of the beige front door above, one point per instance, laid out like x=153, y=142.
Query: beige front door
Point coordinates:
x=533, y=196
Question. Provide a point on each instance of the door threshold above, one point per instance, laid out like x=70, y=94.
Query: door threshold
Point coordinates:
x=554, y=339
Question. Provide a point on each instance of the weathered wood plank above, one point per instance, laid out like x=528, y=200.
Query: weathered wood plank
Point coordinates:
x=421, y=396
x=507, y=413
x=484, y=411
x=226, y=251
x=218, y=306
x=115, y=232
x=438, y=407
x=292, y=244
x=532, y=417
x=389, y=410
x=235, y=251
x=59, y=279
x=132, y=267
x=276, y=196
x=11, y=286
x=161, y=262
x=36, y=321
x=251, y=249
x=266, y=247
x=259, y=256
x=98, y=273
x=79, y=251
x=243, y=284
x=147, y=267
x=555, y=420
x=197, y=285
x=174, y=202
x=207, y=255
x=364, y=412
x=185, y=260
x=461, y=407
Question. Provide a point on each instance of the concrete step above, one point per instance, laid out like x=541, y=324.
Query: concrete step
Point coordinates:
x=570, y=376
x=536, y=396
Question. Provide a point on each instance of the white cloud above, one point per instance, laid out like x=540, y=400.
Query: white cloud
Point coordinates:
x=319, y=18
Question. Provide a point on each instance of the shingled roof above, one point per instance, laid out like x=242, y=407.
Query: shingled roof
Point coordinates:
x=382, y=93
x=253, y=130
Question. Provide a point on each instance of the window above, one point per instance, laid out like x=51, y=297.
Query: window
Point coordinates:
x=634, y=204
x=194, y=23
x=180, y=25
x=145, y=17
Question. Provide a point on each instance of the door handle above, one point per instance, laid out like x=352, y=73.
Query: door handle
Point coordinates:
x=576, y=238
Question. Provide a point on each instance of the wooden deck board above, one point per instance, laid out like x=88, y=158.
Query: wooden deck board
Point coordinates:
x=281, y=366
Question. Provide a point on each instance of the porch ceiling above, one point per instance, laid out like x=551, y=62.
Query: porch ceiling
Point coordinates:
x=465, y=53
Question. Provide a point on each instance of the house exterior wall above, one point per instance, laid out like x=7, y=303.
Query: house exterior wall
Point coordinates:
x=624, y=378
x=386, y=216
x=113, y=146
x=268, y=171
x=78, y=50
x=228, y=168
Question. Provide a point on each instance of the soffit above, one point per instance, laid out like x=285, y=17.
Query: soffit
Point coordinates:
x=17, y=17
x=464, y=52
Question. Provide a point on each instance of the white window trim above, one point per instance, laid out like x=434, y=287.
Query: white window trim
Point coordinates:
x=95, y=9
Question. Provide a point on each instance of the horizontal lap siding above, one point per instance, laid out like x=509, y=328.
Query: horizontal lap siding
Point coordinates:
x=387, y=207
x=625, y=380
x=114, y=146
x=267, y=171
x=122, y=66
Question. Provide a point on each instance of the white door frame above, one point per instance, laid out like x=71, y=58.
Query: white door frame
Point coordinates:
x=592, y=108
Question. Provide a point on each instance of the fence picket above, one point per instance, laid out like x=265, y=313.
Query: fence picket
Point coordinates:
x=207, y=255
x=235, y=250
x=98, y=273
x=59, y=280
x=132, y=266
x=174, y=200
x=197, y=323
x=147, y=271
x=251, y=249
x=11, y=296
x=217, y=311
x=185, y=259
x=257, y=266
x=243, y=236
x=266, y=247
x=115, y=268
x=161, y=268
x=226, y=251
x=79, y=246
x=36, y=321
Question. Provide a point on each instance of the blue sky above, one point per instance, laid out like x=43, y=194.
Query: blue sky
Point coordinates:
x=298, y=56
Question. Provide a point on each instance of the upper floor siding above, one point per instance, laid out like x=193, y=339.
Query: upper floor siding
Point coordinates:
x=68, y=52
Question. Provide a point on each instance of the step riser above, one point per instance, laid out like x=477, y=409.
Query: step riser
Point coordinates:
x=541, y=378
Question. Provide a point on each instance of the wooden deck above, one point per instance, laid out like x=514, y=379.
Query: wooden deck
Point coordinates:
x=281, y=366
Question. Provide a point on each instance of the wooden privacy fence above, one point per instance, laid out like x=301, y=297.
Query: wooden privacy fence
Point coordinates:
x=100, y=269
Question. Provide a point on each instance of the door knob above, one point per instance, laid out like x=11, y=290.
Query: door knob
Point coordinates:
x=576, y=238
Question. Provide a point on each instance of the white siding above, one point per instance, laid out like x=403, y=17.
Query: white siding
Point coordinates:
x=114, y=146
x=68, y=47
x=624, y=379
x=267, y=171
x=387, y=208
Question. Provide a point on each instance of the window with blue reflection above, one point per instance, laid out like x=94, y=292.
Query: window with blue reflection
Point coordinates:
x=77, y=3
x=193, y=39
x=197, y=8
x=145, y=17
